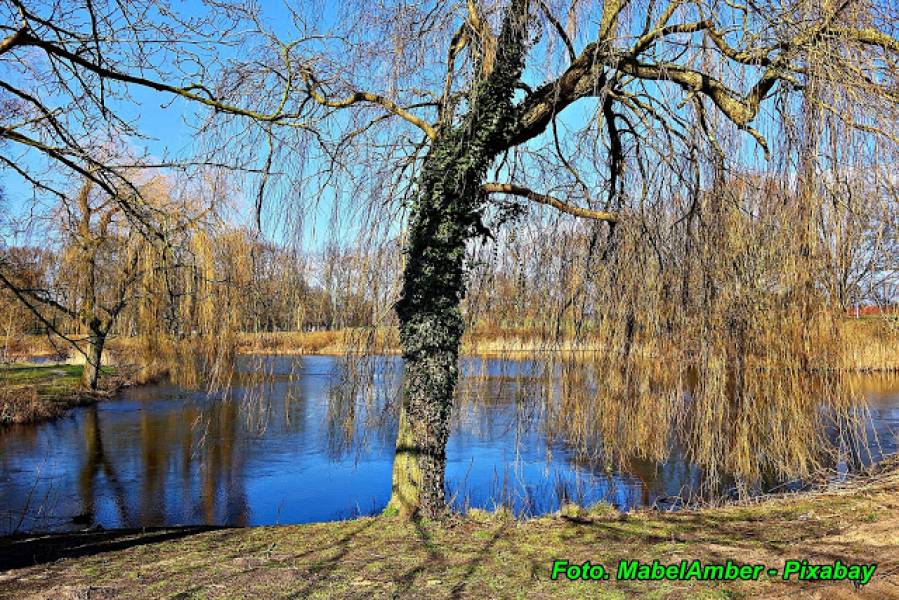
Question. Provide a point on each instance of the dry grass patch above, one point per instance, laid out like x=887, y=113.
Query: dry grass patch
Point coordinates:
x=481, y=557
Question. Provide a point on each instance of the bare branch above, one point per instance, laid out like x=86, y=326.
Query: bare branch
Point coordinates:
x=572, y=55
x=188, y=92
x=357, y=97
x=517, y=190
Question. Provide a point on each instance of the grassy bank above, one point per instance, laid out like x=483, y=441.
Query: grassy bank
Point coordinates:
x=30, y=393
x=480, y=556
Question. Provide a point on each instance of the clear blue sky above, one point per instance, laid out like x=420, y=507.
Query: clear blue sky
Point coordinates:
x=166, y=123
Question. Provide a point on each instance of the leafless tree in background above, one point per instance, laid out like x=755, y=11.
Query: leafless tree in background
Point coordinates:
x=457, y=115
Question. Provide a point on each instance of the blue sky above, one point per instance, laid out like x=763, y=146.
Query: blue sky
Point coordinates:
x=167, y=122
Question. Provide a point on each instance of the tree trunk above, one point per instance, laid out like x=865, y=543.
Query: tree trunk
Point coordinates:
x=447, y=214
x=91, y=373
x=431, y=329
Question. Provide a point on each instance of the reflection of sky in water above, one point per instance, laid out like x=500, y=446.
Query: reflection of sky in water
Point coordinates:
x=162, y=456
x=883, y=405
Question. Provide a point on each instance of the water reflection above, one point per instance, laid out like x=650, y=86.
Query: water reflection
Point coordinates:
x=96, y=465
x=309, y=439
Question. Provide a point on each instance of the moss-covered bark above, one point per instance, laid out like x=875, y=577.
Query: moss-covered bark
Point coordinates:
x=447, y=214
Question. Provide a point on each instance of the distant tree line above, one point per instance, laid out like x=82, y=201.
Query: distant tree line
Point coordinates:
x=525, y=282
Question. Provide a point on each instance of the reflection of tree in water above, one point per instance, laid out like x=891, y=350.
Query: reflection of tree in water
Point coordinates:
x=720, y=434
x=662, y=483
x=221, y=465
x=362, y=404
x=189, y=462
x=497, y=401
x=96, y=461
x=494, y=398
x=155, y=432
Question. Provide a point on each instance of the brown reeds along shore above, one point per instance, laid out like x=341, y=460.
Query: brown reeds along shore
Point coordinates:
x=864, y=344
x=35, y=392
x=861, y=345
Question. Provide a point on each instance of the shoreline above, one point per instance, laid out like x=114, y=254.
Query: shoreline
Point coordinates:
x=478, y=555
x=35, y=399
x=517, y=354
x=32, y=393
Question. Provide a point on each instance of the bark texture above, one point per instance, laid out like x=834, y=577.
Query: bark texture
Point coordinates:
x=446, y=216
x=91, y=374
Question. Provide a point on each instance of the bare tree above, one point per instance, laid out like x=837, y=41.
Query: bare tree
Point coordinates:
x=15, y=318
x=458, y=111
x=102, y=263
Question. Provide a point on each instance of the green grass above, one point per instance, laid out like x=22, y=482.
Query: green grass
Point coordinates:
x=30, y=393
x=51, y=378
x=47, y=378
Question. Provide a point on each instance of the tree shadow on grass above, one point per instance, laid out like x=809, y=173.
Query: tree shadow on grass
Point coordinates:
x=475, y=561
x=20, y=551
x=343, y=546
x=351, y=547
x=406, y=581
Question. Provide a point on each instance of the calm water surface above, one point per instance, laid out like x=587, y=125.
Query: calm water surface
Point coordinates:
x=298, y=447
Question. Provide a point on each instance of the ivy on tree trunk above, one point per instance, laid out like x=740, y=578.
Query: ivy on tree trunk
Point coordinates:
x=446, y=216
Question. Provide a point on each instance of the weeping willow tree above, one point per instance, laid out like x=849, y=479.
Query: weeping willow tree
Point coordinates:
x=596, y=114
x=443, y=121
x=186, y=314
x=104, y=268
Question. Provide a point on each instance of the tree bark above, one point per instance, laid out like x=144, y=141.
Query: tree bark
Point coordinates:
x=91, y=374
x=447, y=214
x=431, y=329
